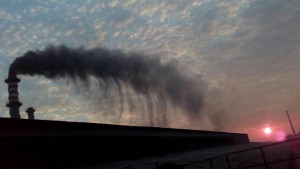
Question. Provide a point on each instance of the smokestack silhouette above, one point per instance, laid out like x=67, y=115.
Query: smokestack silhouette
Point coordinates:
x=13, y=95
x=30, y=112
x=146, y=75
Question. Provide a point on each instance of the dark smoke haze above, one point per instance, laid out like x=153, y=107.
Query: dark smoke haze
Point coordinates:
x=159, y=82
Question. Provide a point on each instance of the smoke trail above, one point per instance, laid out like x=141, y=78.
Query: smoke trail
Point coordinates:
x=147, y=76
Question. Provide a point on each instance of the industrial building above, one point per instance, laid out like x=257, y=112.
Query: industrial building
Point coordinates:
x=31, y=143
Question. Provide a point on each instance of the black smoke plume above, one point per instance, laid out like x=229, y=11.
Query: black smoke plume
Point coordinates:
x=146, y=75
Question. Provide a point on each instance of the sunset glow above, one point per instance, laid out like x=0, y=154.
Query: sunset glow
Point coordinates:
x=267, y=130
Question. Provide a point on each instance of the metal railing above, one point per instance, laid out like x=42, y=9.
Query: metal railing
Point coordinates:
x=280, y=155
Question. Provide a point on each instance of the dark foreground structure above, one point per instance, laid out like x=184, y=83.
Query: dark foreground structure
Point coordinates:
x=55, y=144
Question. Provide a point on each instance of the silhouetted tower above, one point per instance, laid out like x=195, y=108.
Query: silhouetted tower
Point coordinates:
x=13, y=95
x=30, y=112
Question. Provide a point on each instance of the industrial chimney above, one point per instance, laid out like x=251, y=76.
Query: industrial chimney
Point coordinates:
x=13, y=95
x=30, y=112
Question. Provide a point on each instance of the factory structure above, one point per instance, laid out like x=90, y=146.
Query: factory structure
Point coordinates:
x=47, y=144
x=13, y=96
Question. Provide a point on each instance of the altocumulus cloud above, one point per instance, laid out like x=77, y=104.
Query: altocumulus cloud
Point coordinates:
x=246, y=51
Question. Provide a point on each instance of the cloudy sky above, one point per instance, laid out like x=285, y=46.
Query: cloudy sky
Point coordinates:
x=247, y=52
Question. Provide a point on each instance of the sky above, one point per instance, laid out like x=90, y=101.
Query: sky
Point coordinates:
x=246, y=51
